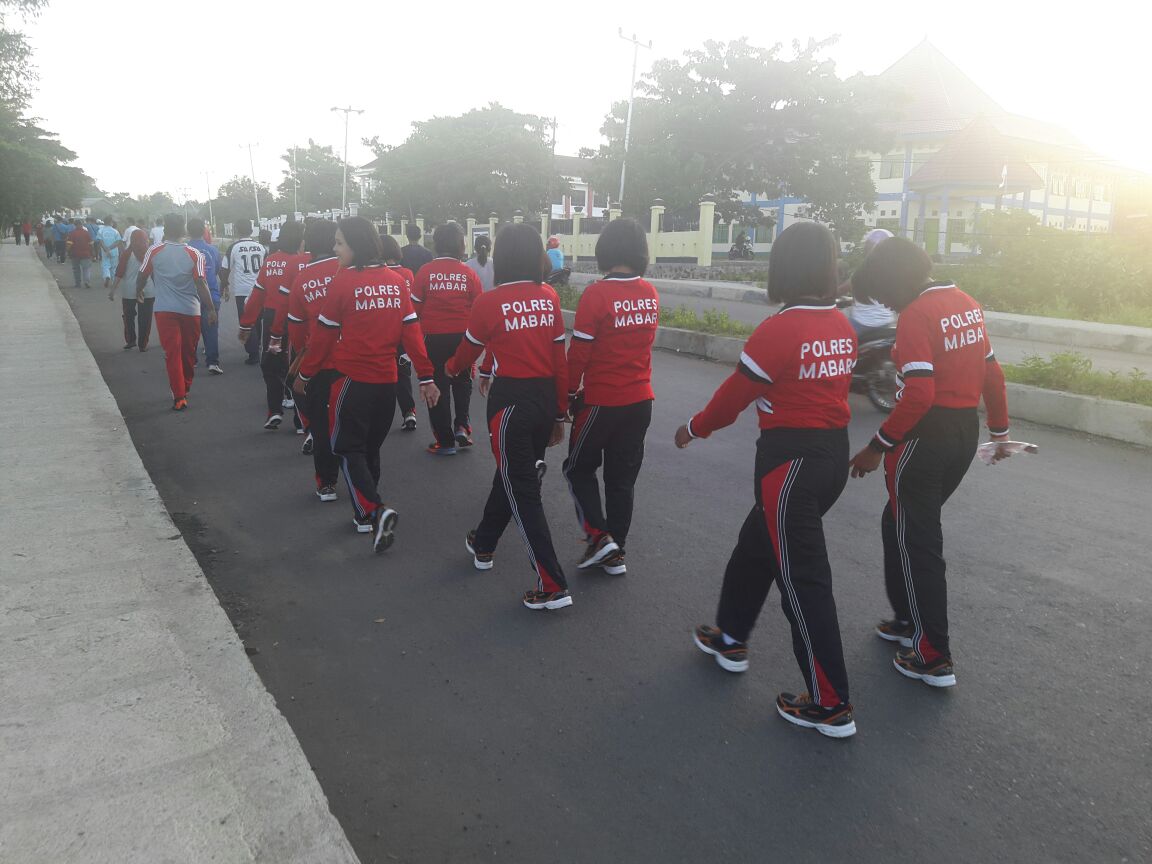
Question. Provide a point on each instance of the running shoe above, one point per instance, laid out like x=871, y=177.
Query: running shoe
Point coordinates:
x=597, y=551
x=384, y=524
x=710, y=640
x=547, y=599
x=409, y=422
x=937, y=673
x=328, y=493
x=464, y=435
x=895, y=630
x=129, y=346
x=179, y=404
x=800, y=710
x=288, y=403
x=480, y=560
x=308, y=445
x=541, y=470
x=438, y=449
x=362, y=526
x=215, y=369
x=614, y=564
x=273, y=422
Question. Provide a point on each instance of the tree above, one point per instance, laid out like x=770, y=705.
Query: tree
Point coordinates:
x=16, y=72
x=234, y=201
x=733, y=118
x=319, y=171
x=33, y=165
x=488, y=160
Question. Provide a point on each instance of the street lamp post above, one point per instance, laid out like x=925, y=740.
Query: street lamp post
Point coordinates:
x=636, y=46
x=348, y=112
x=208, y=186
x=252, y=175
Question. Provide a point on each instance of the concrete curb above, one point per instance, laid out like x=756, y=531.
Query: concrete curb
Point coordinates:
x=134, y=728
x=1120, y=421
x=736, y=292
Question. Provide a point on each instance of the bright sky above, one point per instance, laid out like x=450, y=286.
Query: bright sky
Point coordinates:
x=214, y=75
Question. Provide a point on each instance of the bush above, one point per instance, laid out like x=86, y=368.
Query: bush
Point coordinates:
x=714, y=321
x=1072, y=372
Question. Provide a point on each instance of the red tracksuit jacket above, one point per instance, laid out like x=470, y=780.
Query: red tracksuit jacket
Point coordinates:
x=271, y=289
x=305, y=295
x=444, y=293
x=611, y=350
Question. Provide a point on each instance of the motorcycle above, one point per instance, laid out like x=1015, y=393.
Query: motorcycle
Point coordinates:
x=875, y=374
x=741, y=251
x=558, y=278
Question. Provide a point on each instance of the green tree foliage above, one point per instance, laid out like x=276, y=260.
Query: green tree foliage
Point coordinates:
x=732, y=118
x=488, y=160
x=16, y=72
x=319, y=171
x=234, y=201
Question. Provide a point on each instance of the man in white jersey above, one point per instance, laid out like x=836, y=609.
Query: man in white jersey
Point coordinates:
x=239, y=268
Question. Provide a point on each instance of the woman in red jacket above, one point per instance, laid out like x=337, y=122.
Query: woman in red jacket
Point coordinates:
x=797, y=368
x=366, y=314
x=520, y=324
x=946, y=364
x=390, y=255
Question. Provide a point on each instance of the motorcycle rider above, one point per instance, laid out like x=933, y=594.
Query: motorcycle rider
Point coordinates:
x=871, y=315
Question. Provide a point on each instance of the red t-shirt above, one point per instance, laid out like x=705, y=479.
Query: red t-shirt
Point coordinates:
x=444, y=293
x=80, y=243
x=797, y=366
x=612, y=340
x=308, y=289
x=520, y=325
x=943, y=357
x=369, y=310
x=272, y=285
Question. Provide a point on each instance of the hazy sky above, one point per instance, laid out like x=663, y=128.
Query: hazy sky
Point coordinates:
x=151, y=96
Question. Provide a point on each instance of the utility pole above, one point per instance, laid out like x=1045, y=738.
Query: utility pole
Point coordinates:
x=208, y=186
x=636, y=46
x=252, y=175
x=295, y=185
x=348, y=112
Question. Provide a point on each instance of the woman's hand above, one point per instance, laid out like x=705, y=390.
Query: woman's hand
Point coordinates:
x=430, y=393
x=683, y=437
x=865, y=462
x=484, y=386
x=242, y=336
x=1002, y=451
x=300, y=386
x=557, y=436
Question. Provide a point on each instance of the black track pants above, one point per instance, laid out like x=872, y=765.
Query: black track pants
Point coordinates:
x=454, y=392
x=922, y=472
x=612, y=436
x=325, y=462
x=361, y=415
x=799, y=476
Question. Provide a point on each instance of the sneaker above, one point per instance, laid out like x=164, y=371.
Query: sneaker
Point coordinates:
x=273, y=422
x=541, y=470
x=710, y=640
x=288, y=403
x=597, y=551
x=895, y=630
x=614, y=564
x=938, y=673
x=252, y=360
x=179, y=404
x=464, y=435
x=409, y=422
x=215, y=369
x=480, y=560
x=328, y=493
x=438, y=449
x=384, y=523
x=299, y=429
x=800, y=710
x=362, y=526
x=547, y=599
x=308, y=445
x=129, y=346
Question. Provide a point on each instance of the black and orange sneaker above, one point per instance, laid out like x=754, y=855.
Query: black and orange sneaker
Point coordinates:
x=383, y=525
x=937, y=673
x=614, y=564
x=800, y=710
x=597, y=551
x=480, y=560
x=710, y=640
x=895, y=630
x=547, y=599
x=438, y=449
x=409, y=422
x=463, y=435
x=179, y=404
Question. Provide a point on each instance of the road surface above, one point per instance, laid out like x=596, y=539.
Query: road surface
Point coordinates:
x=447, y=723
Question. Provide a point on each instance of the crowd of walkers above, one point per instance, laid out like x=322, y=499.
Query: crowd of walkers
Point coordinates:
x=338, y=321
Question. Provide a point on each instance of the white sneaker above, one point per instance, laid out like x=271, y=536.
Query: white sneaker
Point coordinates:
x=288, y=403
x=328, y=493
x=273, y=422
x=384, y=521
x=362, y=527
x=215, y=369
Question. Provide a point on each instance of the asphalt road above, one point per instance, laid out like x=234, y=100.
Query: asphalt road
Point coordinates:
x=448, y=723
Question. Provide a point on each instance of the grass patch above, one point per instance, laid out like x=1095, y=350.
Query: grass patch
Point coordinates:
x=712, y=321
x=1072, y=372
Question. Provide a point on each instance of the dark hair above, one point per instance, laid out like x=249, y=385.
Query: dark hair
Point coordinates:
x=290, y=236
x=265, y=236
x=803, y=264
x=622, y=243
x=160, y=222
x=519, y=255
x=448, y=240
x=483, y=240
x=243, y=228
x=196, y=228
x=319, y=238
x=389, y=248
x=893, y=273
x=174, y=226
x=414, y=233
x=364, y=240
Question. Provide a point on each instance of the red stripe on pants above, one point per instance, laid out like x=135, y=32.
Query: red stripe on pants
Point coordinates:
x=179, y=336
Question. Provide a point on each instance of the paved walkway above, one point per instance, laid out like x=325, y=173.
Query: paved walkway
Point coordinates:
x=133, y=727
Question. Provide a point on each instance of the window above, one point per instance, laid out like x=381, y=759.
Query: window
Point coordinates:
x=892, y=167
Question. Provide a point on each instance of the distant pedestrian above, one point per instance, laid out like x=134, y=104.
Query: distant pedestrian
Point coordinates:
x=481, y=262
x=156, y=235
x=137, y=313
x=239, y=268
x=79, y=245
x=555, y=254
x=61, y=228
x=414, y=255
x=390, y=254
x=49, y=240
x=178, y=275
x=209, y=330
x=39, y=229
x=92, y=226
x=26, y=230
x=109, y=241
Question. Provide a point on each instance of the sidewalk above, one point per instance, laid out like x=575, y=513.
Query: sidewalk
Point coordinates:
x=133, y=727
